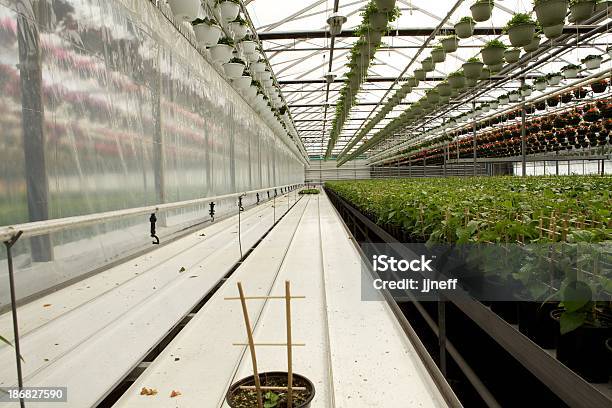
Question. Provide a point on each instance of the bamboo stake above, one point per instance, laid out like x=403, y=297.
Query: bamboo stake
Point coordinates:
x=247, y=322
x=289, y=346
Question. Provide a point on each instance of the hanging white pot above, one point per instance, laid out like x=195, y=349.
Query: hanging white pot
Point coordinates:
x=526, y=91
x=534, y=45
x=551, y=12
x=512, y=56
x=540, y=86
x=238, y=29
x=267, y=83
x=242, y=82
x=570, y=73
x=185, y=9
x=233, y=70
x=258, y=67
x=485, y=108
x=494, y=104
x=385, y=5
x=481, y=10
x=248, y=47
x=221, y=53
x=553, y=31
x=207, y=35
x=582, y=10
x=253, y=57
x=228, y=10
x=504, y=100
x=555, y=80
x=251, y=92
x=513, y=97
x=592, y=62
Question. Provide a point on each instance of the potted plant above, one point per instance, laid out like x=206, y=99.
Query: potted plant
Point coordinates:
x=540, y=83
x=512, y=55
x=222, y=52
x=464, y=28
x=496, y=68
x=513, y=96
x=185, y=9
x=432, y=96
x=599, y=86
x=234, y=68
x=377, y=19
x=248, y=46
x=581, y=10
x=427, y=64
x=592, y=115
x=385, y=5
x=494, y=104
x=419, y=74
x=534, y=44
x=450, y=43
x=438, y=54
x=520, y=29
x=471, y=82
x=570, y=71
x=472, y=68
x=238, y=397
x=481, y=10
x=554, y=78
x=228, y=9
x=580, y=93
x=493, y=52
x=457, y=79
x=553, y=101
x=444, y=89
x=239, y=27
x=567, y=97
x=485, y=74
x=207, y=31
x=526, y=90
x=592, y=61
x=551, y=15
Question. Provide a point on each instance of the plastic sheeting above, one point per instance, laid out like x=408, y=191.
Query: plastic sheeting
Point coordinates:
x=105, y=105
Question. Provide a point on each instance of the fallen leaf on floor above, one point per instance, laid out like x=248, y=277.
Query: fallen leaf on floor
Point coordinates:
x=182, y=269
x=47, y=305
x=202, y=235
x=193, y=276
x=174, y=394
x=148, y=391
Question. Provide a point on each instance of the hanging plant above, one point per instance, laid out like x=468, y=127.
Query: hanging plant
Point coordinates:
x=580, y=93
x=464, y=28
x=540, y=83
x=554, y=78
x=581, y=10
x=514, y=96
x=599, y=86
x=520, y=29
x=438, y=54
x=592, y=61
x=222, y=52
x=228, y=9
x=428, y=65
x=239, y=28
x=534, y=44
x=493, y=52
x=207, y=31
x=551, y=15
x=570, y=71
x=186, y=10
x=513, y=55
x=567, y=97
x=526, y=90
x=473, y=68
x=553, y=101
x=450, y=43
x=481, y=10
x=457, y=79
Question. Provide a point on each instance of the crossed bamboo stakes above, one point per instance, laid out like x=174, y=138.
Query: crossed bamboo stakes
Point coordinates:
x=289, y=344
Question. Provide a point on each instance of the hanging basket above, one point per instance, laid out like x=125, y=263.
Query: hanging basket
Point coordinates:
x=233, y=70
x=428, y=65
x=457, y=82
x=242, y=82
x=492, y=55
x=521, y=35
x=248, y=47
x=438, y=55
x=570, y=73
x=228, y=10
x=207, y=35
x=221, y=53
x=540, y=86
x=582, y=10
x=472, y=70
x=385, y=5
x=471, y=82
x=551, y=12
x=553, y=31
x=450, y=44
x=374, y=37
x=554, y=80
x=464, y=29
x=378, y=21
x=485, y=74
x=481, y=11
x=238, y=29
x=512, y=56
x=592, y=63
x=419, y=74
x=497, y=67
x=534, y=45
x=185, y=9
x=444, y=89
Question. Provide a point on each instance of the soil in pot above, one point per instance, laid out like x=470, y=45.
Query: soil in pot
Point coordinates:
x=583, y=350
x=237, y=398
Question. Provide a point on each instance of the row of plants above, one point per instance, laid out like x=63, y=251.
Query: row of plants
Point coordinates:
x=376, y=17
x=545, y=239
x=239, y=56
x=523, y=31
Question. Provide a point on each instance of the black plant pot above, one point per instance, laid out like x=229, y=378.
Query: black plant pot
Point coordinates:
x=598, y=87
x=506, y=309
x=583, y=350
x=534, y=322
x=275, y=379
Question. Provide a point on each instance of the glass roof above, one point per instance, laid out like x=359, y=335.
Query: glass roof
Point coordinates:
x=301, y=63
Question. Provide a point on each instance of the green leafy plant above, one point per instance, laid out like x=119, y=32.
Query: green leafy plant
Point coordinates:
x=570, y=66
x=495, y=44
x=231, y=1
x=456, y=74
x=467, y=19
x=474, y=59
x=517, y=20
x=240, y=20
x=226, y=41
x=237, y=60
x=271, y=400
x=591, y=57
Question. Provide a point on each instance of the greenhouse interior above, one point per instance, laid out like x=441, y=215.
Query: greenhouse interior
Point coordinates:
x=305, y=204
